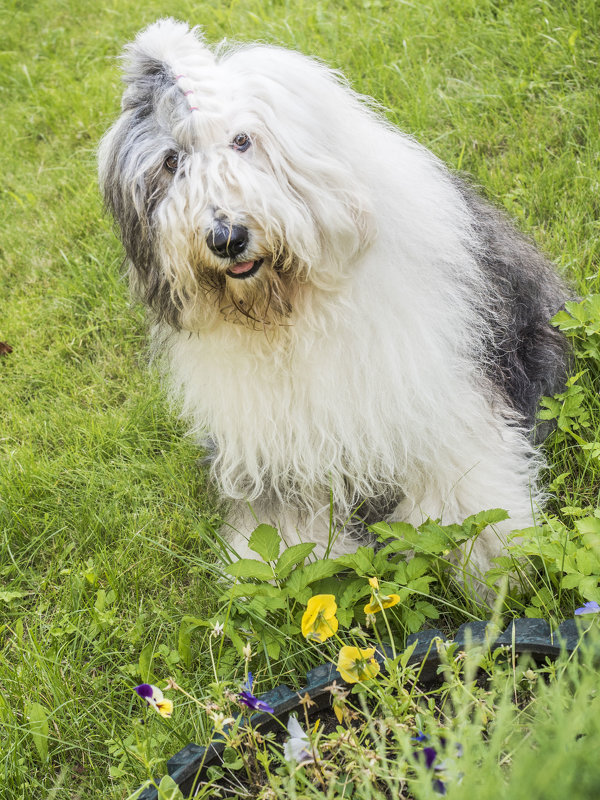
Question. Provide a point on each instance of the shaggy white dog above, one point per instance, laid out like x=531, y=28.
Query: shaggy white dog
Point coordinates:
x=358, y=333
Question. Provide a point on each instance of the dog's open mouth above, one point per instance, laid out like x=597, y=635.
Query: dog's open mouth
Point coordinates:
x=245, y=269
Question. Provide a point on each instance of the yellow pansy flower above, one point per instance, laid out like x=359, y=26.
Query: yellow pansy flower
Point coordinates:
x=379, y=601
x=355, y=665
x=319, y=621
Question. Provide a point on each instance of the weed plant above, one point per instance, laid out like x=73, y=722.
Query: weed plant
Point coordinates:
x=108, y=530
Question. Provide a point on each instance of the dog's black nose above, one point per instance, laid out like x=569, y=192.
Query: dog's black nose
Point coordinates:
x=225, y=241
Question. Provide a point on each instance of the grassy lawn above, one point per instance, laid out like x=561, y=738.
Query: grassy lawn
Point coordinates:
x=106, y=518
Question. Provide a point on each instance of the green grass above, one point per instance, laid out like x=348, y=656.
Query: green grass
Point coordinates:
x=103, y=509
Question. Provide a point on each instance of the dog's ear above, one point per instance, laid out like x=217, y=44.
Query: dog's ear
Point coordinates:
x=158, y=56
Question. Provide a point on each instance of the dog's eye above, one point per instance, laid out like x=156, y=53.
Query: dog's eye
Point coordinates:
x=241, y=142
x=171, y=163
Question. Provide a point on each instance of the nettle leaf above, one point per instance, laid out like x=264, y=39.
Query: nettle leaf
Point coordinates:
x=427, y=609
x=420, y=585
x=291, y=557
x=250, y=590
x=353, y=592
x=321, y=569
x=38, y=727
x=250, y=568
x=413, y=620
x=485, y=518
x=416, y=567
x=361, y=561
x=401, y=532
x=315, y=571
x=272, y=645
x=296, y=587
x=265, y=541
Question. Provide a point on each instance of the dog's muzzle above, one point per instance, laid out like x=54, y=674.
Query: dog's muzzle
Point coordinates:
x=230, y=242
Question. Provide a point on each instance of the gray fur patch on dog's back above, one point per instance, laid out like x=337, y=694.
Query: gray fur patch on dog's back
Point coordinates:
x=529, y=358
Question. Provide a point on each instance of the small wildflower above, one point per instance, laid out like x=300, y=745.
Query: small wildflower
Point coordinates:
x=154, y=697
x=374, y=584
x=588, y=608
x=355, y=664
x=221, y=722
x=295, y=748
x=339, y=700
x=370, y=620
x=319, y=621
x=248, y=699
x=247, y=651
x=218, y=630
x=306, y=702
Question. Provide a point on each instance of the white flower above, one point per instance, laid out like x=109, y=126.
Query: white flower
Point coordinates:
x=247, y=651
x=218, y=630
x=295, y=748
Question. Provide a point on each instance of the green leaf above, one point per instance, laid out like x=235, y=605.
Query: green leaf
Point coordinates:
x=145, y=662
x=250, y=568
x=266, y=542
x=428, y=609
x=361, y=561
x=587, y=562
x=588, y=525
x=38, y=727
x=290, y=557
x=168, y=789
x=232, y=759
x=321, y=569
x=588, y=588
x=272, y=645
x=295, y=586
x=416, y=567
x=489, y=517
x=8, y=597
x=250, y=590
x=572, y=580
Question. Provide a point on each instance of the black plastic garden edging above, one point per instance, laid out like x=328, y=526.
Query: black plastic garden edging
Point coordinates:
x=532, y=636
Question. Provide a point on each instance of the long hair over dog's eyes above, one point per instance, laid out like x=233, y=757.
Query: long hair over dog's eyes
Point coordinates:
x=241, y=142
x=171, y=162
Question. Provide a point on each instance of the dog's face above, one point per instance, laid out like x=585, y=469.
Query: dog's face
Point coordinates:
x=228, y=177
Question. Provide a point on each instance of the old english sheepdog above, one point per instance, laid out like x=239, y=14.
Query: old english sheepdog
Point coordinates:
x=356, y=334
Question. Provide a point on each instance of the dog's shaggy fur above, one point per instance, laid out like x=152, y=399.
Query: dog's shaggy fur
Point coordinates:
x=351, y=324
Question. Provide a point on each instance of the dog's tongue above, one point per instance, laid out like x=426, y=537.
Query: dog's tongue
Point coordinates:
x=239, y=269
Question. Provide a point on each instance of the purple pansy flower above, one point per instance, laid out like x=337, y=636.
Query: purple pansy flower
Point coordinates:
x=429, y=755
x=248, y=699
x=588, y=608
